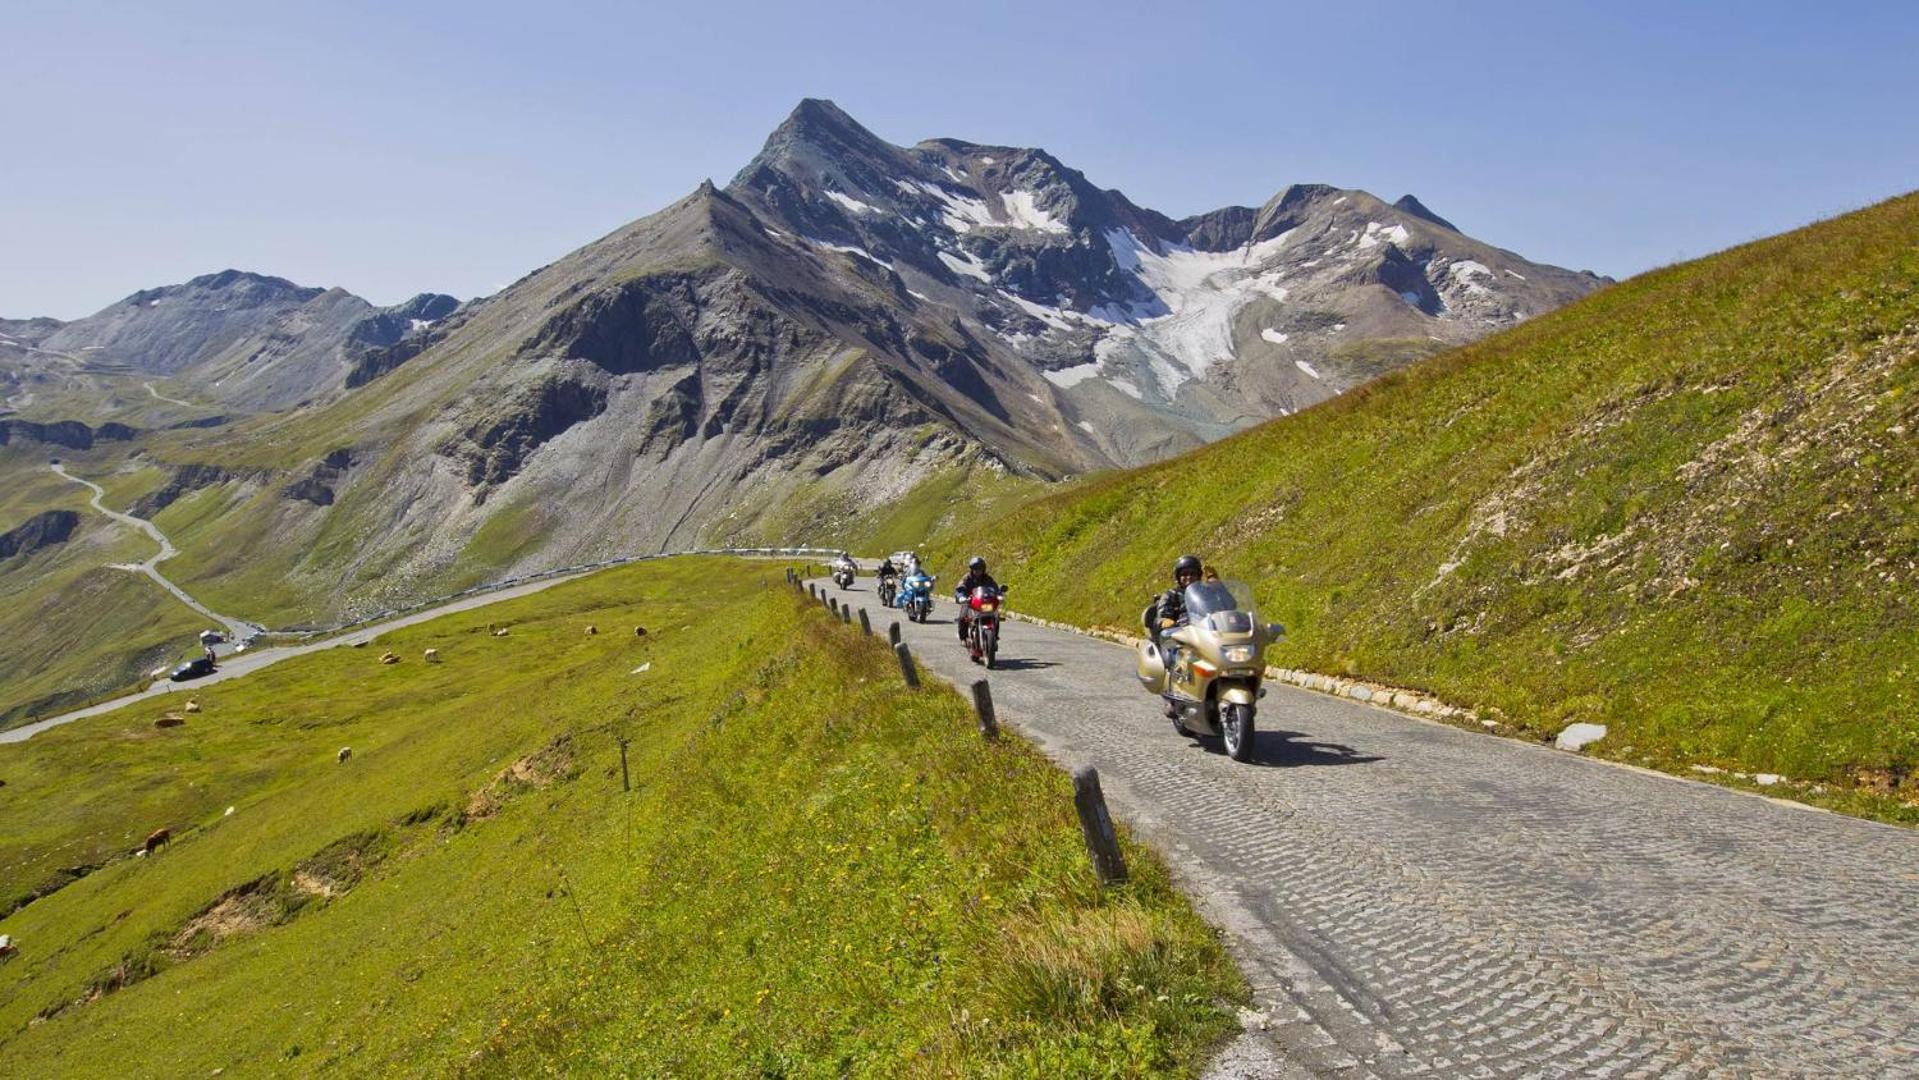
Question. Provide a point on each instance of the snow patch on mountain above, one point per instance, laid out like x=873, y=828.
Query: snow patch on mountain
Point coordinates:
x=1184, y=323
x=852, y=204
x=1067, y=378
x=961, y=213
x=1465, y=271
x=1378, y=233
x=1024, y=210
x=850, y=249
x=1273, y=336
x=969, y=266
x=1307, y=368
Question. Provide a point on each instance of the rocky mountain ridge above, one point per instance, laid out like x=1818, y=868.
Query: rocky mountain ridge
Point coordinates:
x=248, y=341
x=843, y=324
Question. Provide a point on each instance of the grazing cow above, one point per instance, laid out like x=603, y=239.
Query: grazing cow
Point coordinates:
x=157, y=839
x=170, y=720
x=433, y=656
x=345, y=753
x=389, y=658
x=591, y=629
x=501, y=632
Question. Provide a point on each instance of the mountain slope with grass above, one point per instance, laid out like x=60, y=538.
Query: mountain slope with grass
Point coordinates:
x=1686, y=508
x=816, y=871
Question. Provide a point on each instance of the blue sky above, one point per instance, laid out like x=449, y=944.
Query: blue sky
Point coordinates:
x=400, y=147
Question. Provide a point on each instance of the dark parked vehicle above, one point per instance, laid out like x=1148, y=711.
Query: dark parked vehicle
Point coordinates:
x=192, y=669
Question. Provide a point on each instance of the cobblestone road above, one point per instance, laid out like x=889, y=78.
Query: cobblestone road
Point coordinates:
x=1413, y=899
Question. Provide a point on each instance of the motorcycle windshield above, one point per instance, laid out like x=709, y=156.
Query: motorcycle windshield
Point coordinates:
x=1226, y=606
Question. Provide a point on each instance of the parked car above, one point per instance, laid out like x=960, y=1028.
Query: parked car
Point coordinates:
x=192, y=669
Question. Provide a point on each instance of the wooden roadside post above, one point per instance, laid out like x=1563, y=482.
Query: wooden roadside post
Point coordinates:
x=983, y=705
x=810, y=591
x=1096, y=824
x=846, y=614
x=866, y=624
x=907, y=670
x=893, y=633
x=626, y=778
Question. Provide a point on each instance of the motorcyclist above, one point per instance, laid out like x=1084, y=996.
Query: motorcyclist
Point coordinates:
x=887, y=573
x=1169, y=609
x=976, y=578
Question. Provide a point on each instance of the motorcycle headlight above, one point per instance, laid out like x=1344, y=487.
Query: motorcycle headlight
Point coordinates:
x=1239, y=654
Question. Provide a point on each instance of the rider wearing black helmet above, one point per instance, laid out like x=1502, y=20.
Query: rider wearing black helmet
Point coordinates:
x=976, y=578
x=1169, y=610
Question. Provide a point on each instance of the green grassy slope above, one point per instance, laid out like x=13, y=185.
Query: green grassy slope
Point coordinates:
x=1687, y=507
x=817, y=872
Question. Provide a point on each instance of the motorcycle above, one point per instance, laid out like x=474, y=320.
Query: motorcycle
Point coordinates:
x=916, y=596
x=982, y=624
x=889, y=588
x=843, y=575
x=1218, y=659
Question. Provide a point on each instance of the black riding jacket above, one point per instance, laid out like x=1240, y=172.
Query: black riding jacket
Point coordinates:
x=1170, y=604
x=887, y=569
x=971, y=581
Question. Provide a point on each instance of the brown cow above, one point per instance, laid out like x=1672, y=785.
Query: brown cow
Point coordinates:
x=156, y=840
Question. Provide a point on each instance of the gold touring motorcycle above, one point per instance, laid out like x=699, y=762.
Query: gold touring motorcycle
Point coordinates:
x=1218, y=660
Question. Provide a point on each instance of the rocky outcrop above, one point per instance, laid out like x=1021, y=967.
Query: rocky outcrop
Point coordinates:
x=71, y=434
x=493, y=450
x=39, y=531
x=316, y=486
x=637, y=326
x=185, y=480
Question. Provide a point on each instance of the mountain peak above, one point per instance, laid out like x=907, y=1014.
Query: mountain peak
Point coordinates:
x=1418, y=209
x=227, y=279
x=820, y=125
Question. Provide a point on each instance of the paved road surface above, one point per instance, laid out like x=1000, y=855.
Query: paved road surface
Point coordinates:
x=1411, y=899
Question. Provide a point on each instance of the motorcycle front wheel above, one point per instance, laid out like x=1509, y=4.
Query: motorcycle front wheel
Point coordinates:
x=989, y=645
x=1236, y=731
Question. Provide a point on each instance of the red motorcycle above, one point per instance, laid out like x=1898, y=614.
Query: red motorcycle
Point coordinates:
x=982, y=624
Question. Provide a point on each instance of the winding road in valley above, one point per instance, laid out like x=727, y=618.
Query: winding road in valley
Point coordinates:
x=169, y=400
x=1413, y=899
x=234, y=666
x=237, y=629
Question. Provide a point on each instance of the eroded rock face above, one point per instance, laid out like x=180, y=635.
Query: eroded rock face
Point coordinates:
x=71, y=434
x=185, y=480
x=316, y=486
x=39, y=531
x=494, y=449
x=637, y=326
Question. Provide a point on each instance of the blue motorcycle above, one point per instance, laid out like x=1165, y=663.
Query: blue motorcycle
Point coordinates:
x=916, y=596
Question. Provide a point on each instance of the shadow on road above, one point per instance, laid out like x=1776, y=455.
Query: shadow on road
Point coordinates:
x=1015, y=664
x=1278, y=750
